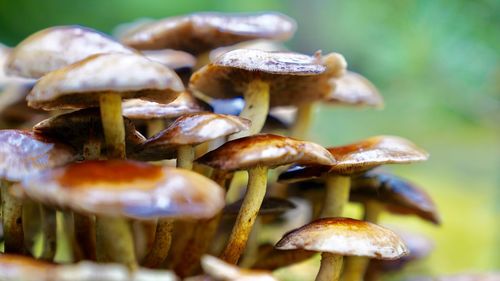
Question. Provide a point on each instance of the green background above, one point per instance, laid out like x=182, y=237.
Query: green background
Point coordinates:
x=436, y=64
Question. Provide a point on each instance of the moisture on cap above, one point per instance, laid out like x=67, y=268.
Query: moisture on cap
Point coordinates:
x=345, y=237
x=57, y=47
x=201, y=32
x=266, y=150
x=80, y=85
x=126, y=188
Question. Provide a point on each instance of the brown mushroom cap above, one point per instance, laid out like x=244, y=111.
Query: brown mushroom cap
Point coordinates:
x=23, y=153
x=361, y=156
x=126, y=188
x=14, y=267
x=265, y=150
x=172, y=59
x=222, y=271
x=396, y=194
x=270, y=206
x=354, y=89
x=259, y=44
x=75, y=128
x=189, y=129
x=198, y=33
x=140, y=109
x=79, y=85
x=346, y=237
x=293, y=78
x=57, y=47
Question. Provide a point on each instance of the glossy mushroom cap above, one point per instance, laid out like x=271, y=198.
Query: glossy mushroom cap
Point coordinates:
x=126, y=188
x=354, y=89
x=23, y=153
x=396, y=194
x=222, y=271
x=140, y=109
x=190, y=129
x=361, y=156
x=172, y=59
x=201, y=32
x=259, y=44
x=57, y=47
x=75, y=128
x=80, y=85
x=14, y=267
x=265, y=150
x=293, y=78
x=270, y=206
x=345, y=237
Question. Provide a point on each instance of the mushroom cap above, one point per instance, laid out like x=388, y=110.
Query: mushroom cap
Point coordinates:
x=265, y=150
x=396, y=194
x=346, y=237
x=259, y=44
x=141, y=109
x=354, y=89
x=201, y=32
x=89, y=271
x=126, y=188
x=172, y=59
x=189, y=129
x=270, y=206
x=80, y=85
x=23, y=153
x=220, y=270
x=361, y=156
x=57, y=47
x=16, y=267
x=293, y=78
x=76, y=127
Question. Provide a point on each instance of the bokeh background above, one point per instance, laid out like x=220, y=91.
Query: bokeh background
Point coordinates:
x=436, y=64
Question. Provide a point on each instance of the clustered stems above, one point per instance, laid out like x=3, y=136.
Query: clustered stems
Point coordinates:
x=331, y=267
x=69, y=231
x=302, y=122
x=112, y=123
x=114, y=241
x=161, y=245
x=337, y=195
x=85, y=235
x=185, y=157
x=256, y=190
x=12, y=210
x=49, y=232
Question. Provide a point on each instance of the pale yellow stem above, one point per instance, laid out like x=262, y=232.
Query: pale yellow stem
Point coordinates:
x=12, y=210
x=373, y=209
x=256, y=190
x=49, y=233
x=112, y=123
x=337, y=195
x=161, y=246
x=355, y=268
x=114, y=241
x=31, y=223
x=185, y=157
x=331, y=267
x=302, y=122
x=252, y=249
x=154, y=126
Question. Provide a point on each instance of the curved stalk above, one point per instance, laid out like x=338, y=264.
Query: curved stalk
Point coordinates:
x=331, y=267
x=161, y=245
x=112, y=123
x=302, y=122
x=114, y=241
x=252, y=249
x=144, y=233
x=256, y=190
x=12, y=210
x=85, y=235
x=337, y=195
x=256, y=108
x=49, y=233
x=185, y=157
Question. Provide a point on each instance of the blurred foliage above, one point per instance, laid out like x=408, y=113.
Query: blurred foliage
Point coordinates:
x=435, y=62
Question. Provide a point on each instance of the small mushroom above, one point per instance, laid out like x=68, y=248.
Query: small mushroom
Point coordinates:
x=257, y=154
x=117, y=190
x=57, y=47
x=103, y=80
x=338, y=237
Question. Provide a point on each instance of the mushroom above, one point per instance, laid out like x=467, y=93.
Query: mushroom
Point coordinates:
x=186, y=132
x=257, y=154
x=338, y=237
x=16, y=267
x=218, y=270
x=264, y=79
x=57, y=47
x=181, y=62
x=23, y=153
x=103, y=80
x=117, y=190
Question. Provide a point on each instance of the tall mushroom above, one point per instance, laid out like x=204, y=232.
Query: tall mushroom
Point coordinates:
x=257, y=154
x=103, y=80
x=338, y=237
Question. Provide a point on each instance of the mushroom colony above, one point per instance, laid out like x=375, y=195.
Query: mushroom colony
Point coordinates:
x=164, y=153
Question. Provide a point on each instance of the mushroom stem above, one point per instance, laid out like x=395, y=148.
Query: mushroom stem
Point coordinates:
x=112, y=123
x=337, y=195
x=92, y=149
x=331, y=266
x=154, y=126
x=161, y=245
x=256, y=190
x=69, y=231
x=302, y=122
x=252, y=249
x=49, y=233
x=355, y=268
x=256, y=108
x=12, y=210
x=85, y=235
x=185, y=157
x=114, y=241
x=31, y=223
x=373, y=210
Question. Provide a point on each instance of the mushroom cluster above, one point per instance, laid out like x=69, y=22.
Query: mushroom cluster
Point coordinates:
x=134, y=151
